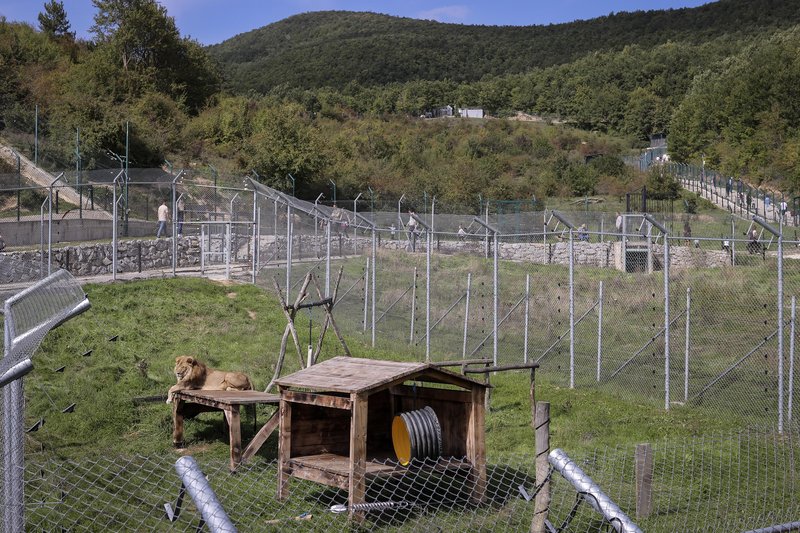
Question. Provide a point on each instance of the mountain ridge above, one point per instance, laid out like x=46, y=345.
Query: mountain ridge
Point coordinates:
x=335, y=48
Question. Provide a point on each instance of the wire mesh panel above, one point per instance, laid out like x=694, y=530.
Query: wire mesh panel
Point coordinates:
x=28, y=317
x=721, y=482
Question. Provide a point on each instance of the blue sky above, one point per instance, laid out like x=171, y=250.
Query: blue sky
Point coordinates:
x=213, y=21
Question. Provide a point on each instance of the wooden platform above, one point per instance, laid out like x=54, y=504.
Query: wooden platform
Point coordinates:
x=228, y=402
x=334, y=470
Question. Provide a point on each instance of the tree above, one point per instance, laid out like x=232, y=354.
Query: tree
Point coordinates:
x=661, y=185
x=140, y=31
x=53, y=20
x=146, y=45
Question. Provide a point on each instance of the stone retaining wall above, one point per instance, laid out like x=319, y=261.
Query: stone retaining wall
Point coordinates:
x=96, y=259
x=153, y=254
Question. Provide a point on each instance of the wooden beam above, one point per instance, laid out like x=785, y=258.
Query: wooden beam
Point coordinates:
x=284, y=449
x=177, y=422
x=358, y=454
x=235, y=435
x=310, y=473
x=321, y=400
x=522, y=366
x=427, y=393
x=261, y=437
x=216, y=404
x=476, y=443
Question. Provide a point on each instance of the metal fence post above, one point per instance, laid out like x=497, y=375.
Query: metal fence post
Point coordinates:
x=228, y=251
x=466, y=316
x=366, y=296
x=13, y=454
x=686, y=349
x=780, y=331
x=779, y=234
x=428, y=295
x=202, y=248
x=495, y=285
x=289, y=251
x=791, y=361
x=256, y=235
x=374, y=272
x=328, y=257
x=665, y=234
x=571, y=310
x=666, y=320
x=413, y=305
x=114, y=231
x=527, y=317
x=599, y=330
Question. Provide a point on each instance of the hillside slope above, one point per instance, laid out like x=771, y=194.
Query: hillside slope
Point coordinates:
x=334, y=48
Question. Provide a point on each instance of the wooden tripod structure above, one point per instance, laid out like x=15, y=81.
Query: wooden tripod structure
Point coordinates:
x=290, y=311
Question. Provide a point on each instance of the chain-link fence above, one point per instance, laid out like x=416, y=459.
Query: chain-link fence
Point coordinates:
x=716, y=333
x=724, y=482
x=596, y=312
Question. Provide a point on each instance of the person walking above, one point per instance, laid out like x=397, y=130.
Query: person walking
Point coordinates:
x=163, y=218
x=412, y=231
x=179, y=210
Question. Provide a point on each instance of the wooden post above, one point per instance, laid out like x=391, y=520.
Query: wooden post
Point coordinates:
x=234, y=435
x=644, y=480
x=541, y=426
x=284, y=448
x=476, y=444
x=177, y=423
x=358, y=454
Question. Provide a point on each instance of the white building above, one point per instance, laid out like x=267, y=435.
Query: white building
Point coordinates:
x=470, y=112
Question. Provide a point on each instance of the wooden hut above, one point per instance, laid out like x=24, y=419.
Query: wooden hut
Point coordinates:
x=336, y=421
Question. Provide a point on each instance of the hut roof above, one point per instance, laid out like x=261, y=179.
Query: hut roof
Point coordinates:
x=357, y=375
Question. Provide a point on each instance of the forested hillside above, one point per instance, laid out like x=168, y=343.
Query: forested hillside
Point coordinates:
x=721, y=80
x=335, y=48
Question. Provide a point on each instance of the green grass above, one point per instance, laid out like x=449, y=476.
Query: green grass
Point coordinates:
x=239, y=327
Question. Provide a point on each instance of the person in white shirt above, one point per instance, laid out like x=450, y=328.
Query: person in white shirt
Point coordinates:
x=412, y=231
x=163, y=217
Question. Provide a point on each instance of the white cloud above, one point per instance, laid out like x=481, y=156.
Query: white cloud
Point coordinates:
x=458, y=13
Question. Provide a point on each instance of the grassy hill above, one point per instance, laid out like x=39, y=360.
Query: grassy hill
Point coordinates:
x=335, y=48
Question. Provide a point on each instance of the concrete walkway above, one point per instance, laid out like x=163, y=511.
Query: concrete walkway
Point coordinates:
x=735, y=204
x=44, y=179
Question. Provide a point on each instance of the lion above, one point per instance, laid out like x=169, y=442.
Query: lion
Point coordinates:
x=194, y=374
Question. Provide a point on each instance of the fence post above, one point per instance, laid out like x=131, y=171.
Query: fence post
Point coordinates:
x=328, y=258
x=686, y=350
x=413, y=305
x=644, y=480
x=495, y=297
x=366, y=295
x=666, y=321
x=202, y=248
x=466, y=316
x=791, y=361
x=571, y=311
x=228, y=253
x=527, y=317
x=428, y=296
x=780, y=330
x=542, y=434
x=289, y=251
x=599, y=331
x=374, y=273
